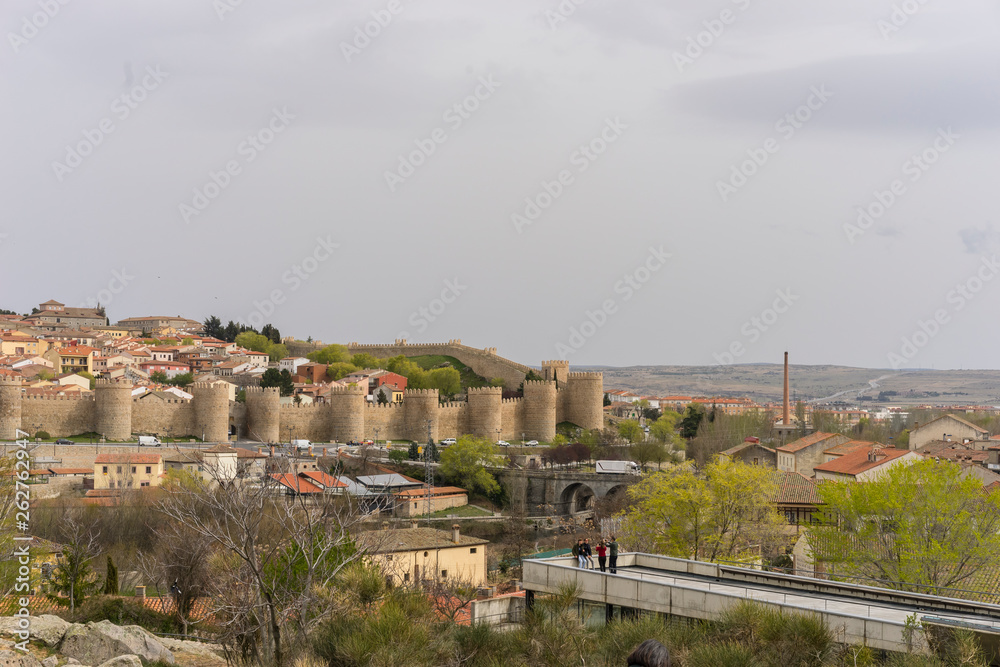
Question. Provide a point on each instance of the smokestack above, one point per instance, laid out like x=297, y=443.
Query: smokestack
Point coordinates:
x=784, y=412
x=454, y=533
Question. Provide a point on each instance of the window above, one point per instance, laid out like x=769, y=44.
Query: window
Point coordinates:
x=104, y=469
x=425, y=554
x=472, y=550
x=149, y=470
x=119, y=470
x=406, y=577
x=143, y=483
x=444, y=574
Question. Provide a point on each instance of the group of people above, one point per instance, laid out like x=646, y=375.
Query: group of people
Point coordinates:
x=607, y=554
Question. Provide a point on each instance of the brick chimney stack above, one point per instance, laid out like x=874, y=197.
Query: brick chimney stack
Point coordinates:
x=784, y=411
x=455, y=537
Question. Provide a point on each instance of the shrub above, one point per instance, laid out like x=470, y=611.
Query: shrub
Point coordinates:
x=125, y=611
x=43, y=435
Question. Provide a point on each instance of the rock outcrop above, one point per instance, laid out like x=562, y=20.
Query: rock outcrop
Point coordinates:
x=98, y=642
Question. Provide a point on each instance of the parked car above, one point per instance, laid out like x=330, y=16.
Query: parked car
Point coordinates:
x=449, y=441
x=531, y=443
x=64, y=441
x=503, y=443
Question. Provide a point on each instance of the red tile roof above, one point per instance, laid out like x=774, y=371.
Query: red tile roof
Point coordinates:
x=325, y=479
x=808, y=441
x=295, y=483
x=858, y=461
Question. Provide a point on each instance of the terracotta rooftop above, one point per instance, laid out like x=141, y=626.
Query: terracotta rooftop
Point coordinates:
x=858, y=461
x=295, y=483
x=413, y=539
x=794, y=489
x=849, y=446
x=128, y=458
x=807, y=441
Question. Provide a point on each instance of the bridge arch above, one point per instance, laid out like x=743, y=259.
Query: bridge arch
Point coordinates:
x=576, y=498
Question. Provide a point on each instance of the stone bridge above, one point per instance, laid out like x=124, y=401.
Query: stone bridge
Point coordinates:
x=562, y=492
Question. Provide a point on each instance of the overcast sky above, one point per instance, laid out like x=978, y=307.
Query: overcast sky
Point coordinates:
x=646, y=248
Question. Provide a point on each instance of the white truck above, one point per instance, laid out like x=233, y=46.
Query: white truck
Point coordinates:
x=618, y=467
x=301, y=444
x=149, y=441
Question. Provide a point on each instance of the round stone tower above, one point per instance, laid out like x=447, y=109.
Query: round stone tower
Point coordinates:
x=540, y=409
x=211, y=411
x=10, y=407
x=419, y=405
x=584, y=402
x=347, y=414
x=113, y=403
x=485, y=409
x=263, y=413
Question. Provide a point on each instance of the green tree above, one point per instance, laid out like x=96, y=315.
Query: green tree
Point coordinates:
x=607, y=400
x=465, y=462
x=272, y=377
x=414, y=452
x=644, y=453
x=717, y=515
x=254, y=341
x=630, y=430
x=181, y=379
x=213, y=327
x=331, y=354
x=496, y=382
x=447, y=381
x=692, y=420
x=271, y=333
x=431, y=452
x=90, y=377
x=664, y=429
x=74, y=577
x=111, y=579
x=923, y=524
x=159, y=377
x=365, y=360
x=339, y=369
x=397, y=456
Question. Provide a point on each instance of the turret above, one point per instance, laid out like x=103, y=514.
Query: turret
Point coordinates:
x=113, y=403
x=419, y=406
x=556, y=371
x=263, y=413
x=10, y=407
x=583, y=403
x=540, y=409
x=485, y=409
x=347, y=413
x=211, y=411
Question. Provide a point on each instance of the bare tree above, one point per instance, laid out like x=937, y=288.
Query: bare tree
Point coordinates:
x=81, y=544
x=451, y=596
x=279, y=552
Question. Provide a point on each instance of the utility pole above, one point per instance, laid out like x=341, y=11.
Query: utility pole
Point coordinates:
x=428, y=468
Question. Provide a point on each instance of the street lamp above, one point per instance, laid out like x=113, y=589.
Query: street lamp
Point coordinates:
x=376, y=435
x=498, y=435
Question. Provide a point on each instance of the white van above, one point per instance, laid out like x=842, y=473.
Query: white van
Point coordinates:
x=149, y=441
x=301, y=444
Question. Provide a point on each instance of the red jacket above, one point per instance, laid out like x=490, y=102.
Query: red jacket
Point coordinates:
x=601, y=551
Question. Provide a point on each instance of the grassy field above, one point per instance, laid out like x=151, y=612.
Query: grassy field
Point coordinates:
x=463, y=511
x=469, y=378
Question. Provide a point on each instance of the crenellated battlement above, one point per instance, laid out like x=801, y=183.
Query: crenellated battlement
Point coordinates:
x=303, y=406
x=260, y=391
x=420, y=392
x=539, y=383
x=485, y=391
x=512, y=400
x=7, y=381
x=349, y=390
x=384, y=406
x=67, y=397
x=579, y=375
x=208, y=386
x=562, y=363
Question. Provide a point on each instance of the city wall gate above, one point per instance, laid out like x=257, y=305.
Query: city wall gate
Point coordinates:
x=550, y=492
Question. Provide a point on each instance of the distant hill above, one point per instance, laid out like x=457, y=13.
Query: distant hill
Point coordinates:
x=763, y=383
